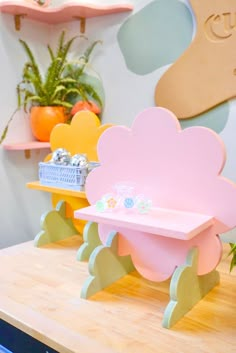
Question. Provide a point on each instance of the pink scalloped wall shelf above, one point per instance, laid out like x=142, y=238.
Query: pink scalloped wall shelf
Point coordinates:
x=30, y=145
x=64, y=13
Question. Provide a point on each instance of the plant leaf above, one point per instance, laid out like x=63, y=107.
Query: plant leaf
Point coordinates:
x=233, y=248
x=89, y=50
x=51, y=52
x=58, y=89
x=32, y=59
x=232, y=252
x=4, y=133
x=92, y=93
x=62, y=103
x=233, y=262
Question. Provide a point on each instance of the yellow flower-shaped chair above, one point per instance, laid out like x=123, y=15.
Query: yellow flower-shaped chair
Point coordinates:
x=81, y=136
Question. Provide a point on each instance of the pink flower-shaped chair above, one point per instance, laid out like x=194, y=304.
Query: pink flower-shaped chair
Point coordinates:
x=179, y=171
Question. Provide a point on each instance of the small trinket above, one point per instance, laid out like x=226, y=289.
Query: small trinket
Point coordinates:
x=143, y=204
x=108, y=202
x=124, y=198
x=129, y=202
x=61, y=156
x=100, y=206
x=79, y=160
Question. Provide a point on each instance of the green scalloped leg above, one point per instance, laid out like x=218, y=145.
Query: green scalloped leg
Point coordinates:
x=106, y=267
x=91, y=241
x=55, y=226
x=187, y=288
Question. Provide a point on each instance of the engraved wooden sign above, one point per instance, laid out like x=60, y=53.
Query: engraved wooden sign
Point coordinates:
x=205, y=75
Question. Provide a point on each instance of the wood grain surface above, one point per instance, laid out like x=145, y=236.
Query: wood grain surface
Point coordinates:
x=40, y=294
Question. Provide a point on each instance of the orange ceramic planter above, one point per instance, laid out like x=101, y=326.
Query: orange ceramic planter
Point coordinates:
x=43, y=120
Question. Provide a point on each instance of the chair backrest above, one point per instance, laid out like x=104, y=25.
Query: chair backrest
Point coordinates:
x=176, y=169
x=81, y=136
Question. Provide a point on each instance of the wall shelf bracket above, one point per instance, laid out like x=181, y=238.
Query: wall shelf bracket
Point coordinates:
x=82, y=23
x=27, y=154
x=17, y=20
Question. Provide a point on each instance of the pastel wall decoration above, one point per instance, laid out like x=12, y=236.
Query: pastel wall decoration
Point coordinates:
x=180, y=169
x=215, y=118
x=204, y=76
x=155, y=36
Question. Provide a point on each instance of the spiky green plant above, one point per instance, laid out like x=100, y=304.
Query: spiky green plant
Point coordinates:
x=233, y=253
x=59, y=82
x=76, y=70
x=63, y=83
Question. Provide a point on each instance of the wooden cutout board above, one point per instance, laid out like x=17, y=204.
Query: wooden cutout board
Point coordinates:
x=205, y=75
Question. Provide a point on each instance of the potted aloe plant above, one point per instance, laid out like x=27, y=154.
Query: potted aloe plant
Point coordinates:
x=50, y=97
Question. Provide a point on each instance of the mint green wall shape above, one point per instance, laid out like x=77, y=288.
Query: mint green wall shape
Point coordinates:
x=187, y=288
x=105, y=267
x=155, y=36
x=55, y=226
x=91, y=241
x=215, y=119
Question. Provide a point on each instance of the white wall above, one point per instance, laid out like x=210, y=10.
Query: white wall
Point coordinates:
x=20, y=207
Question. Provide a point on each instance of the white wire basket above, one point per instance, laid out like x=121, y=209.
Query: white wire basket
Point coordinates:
x=64, y=176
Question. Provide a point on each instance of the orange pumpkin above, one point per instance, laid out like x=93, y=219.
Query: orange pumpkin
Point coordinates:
x=43, y=120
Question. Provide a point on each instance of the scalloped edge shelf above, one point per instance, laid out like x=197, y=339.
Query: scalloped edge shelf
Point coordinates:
x=63, y=13
x=21, y=146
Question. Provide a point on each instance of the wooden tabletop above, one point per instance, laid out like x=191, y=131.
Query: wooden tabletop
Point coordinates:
x=161, y=221
x=40, y=294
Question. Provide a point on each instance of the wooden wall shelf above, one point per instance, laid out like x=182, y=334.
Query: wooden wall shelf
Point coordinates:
x=25, y=146
x=67, y=12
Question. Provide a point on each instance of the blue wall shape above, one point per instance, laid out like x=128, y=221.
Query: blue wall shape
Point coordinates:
x=155, y=36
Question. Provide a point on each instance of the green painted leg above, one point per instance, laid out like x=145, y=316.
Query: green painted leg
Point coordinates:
x=55, y=226
x=105, y=267
x=91, y=241
x=187, y=288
